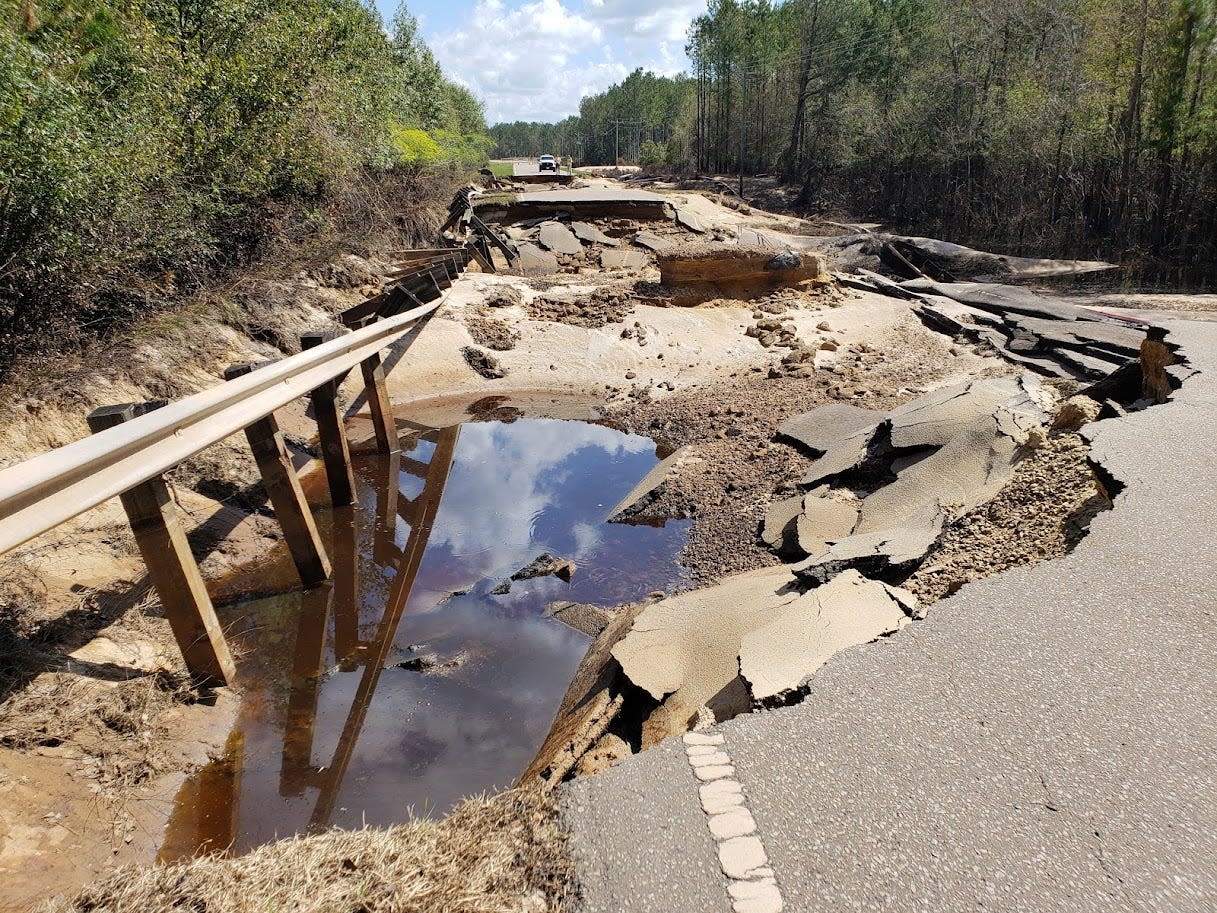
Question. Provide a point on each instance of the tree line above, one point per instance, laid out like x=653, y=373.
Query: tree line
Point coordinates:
x=144, y=142
x=1074, y=127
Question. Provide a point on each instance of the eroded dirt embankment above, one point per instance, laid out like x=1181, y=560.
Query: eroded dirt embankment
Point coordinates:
x=98, y=721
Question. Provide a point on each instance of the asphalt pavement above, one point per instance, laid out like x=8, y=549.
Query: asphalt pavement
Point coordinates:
x=1046, y=740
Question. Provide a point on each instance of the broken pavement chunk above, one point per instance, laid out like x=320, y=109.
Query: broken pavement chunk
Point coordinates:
x=585, y=618
x=843, y=457
x=824, y=428
x=684, y=650
x=558, y=238
x=778, y=520
x=584, y=231
x=646, y=492
x=821, y=521
x=652, y=241
x=534, y=261
x=687, y=219
x=781, y=655
x=623, y=259
x=934, y=419
x=886, y=550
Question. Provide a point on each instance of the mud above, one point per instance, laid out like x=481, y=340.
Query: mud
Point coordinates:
x=599, y=309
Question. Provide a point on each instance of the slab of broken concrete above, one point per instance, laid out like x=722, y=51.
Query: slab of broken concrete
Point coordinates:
x=589, y=233
x=949, y=450
x=558, y=238
x=534, y=261
x=651, y=487
x=623, y=259
x=684, y=650
x=780, y=656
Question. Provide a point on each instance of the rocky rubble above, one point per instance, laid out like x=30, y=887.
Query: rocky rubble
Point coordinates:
x=544, y=565
x=1036, y=331
x=949, y=451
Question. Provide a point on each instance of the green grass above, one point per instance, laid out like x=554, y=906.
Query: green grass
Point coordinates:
x=501, y=169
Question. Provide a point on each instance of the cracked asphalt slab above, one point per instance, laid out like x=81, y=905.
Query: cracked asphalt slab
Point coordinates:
x=1043, y=741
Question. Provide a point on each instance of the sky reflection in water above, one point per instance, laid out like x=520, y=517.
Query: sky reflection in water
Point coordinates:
x=424, y=741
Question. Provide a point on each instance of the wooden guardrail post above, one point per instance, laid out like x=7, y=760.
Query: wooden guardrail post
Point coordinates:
x=383, y=422
x=334, y=449
x=172, y=568
x=286, y=496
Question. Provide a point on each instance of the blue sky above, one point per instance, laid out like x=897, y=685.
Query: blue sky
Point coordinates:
x=534, y=59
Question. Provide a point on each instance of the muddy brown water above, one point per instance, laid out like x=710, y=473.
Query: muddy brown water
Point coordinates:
x=338, y=726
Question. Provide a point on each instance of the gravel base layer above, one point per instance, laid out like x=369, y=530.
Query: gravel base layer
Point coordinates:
x=1041, y=514
x=741, y=469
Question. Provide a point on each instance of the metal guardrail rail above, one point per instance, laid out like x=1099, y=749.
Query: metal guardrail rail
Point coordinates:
x=134, y=445
x=47, y=490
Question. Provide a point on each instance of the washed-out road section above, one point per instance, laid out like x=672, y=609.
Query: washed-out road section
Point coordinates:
x=1043, y=741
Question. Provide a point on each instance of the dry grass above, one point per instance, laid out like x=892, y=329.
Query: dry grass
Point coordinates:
x=115, y=727
x=491, y=855
x=109, y=718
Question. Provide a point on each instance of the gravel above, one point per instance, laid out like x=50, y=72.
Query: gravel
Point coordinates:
x=742, y=470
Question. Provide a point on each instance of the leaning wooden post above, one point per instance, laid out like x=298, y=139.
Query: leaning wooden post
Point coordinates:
x=334, y=449
x=383, y=421
x=286, y=496
x=172, y=568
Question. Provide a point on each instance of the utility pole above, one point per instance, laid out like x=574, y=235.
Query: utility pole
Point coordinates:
x=616, y=143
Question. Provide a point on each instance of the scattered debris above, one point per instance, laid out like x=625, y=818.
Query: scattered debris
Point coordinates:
x=483, y=363
x=491, y=333
x=504, y=296
x=543, y=565
x=431, y=664
x=600, y=308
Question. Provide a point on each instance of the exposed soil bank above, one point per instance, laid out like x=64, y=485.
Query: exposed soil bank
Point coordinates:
x=97, y=729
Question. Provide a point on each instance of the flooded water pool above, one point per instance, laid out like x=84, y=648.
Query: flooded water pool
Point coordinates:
x=404, y=684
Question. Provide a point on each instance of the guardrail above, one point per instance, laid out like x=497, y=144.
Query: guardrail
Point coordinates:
x=134, y=444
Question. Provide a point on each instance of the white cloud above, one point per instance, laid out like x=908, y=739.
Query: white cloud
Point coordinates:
x=536, y=60
x=506, y=477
